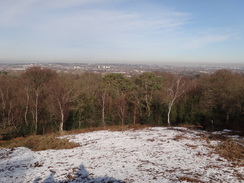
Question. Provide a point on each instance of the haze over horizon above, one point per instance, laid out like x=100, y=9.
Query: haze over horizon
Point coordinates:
x=122, y=31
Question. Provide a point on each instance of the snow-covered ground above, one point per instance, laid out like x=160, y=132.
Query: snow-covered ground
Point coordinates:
x=150, y=155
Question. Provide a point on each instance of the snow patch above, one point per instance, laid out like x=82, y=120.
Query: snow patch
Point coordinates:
x=149, y=155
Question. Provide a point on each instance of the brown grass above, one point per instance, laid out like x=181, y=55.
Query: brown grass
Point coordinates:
x=191, y=127
x=50, y=141
x=109, y=128
x=218, y=137
x=188, y=179
x=192, y=146
x=38, y=143
x=204, y=138
x=179, y=137
x=210, y=137
x=128, y=127
x=227, y=148
x=231, y=151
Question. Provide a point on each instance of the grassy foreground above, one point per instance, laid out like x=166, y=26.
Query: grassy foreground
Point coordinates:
x=50, y=141
x=39, y=142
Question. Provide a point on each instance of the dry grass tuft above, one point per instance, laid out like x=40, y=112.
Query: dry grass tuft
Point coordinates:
x=38, y=143
x=180, y=137
x=204, y=138
x=231, y=151
x=218, y=137
x=210, y=137
x=192, y=146
x=188, y=179
x=192, y=127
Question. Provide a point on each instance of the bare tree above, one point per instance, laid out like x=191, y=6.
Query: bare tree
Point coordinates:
x=174, y=92
x=117, y=86
x=173, y=88
x=9, y=104
x=223, y=92
x=35, y=78
x=85, y=98
x=147, y=84
x=102, y=102
x=121, y=106
x=60, y=93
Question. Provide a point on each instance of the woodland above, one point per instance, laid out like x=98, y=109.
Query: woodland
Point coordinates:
x=41, y=100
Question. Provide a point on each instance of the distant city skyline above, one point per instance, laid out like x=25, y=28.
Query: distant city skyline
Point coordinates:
x=122, y=31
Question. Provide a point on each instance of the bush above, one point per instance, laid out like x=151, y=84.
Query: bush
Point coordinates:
x=231, y=151
x=38, y=143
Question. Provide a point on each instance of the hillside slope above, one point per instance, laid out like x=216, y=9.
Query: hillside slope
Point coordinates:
x=150, y=155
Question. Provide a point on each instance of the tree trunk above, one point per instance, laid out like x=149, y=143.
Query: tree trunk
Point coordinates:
x=61, y=125
x=36, y=111
x=27, y=106
x=169, y=112
x=175, y=94
x=103, y=108
x=121, y=113
x=148, y=106
x=3, y=109
x=134, y=114
x=123, y=121
x=9, y=119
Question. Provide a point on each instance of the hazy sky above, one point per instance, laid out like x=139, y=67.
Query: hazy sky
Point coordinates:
x=122, y=31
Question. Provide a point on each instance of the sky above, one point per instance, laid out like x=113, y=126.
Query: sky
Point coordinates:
x=122, y=31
